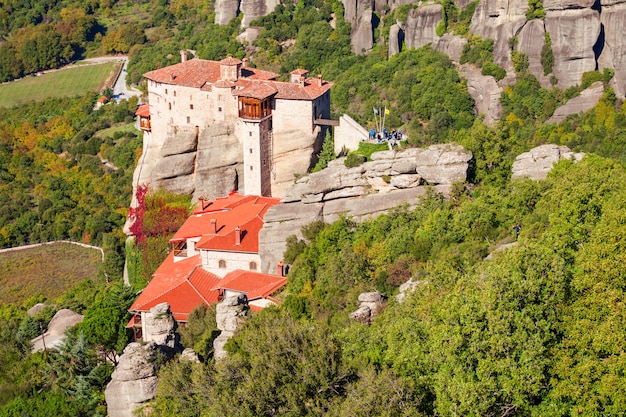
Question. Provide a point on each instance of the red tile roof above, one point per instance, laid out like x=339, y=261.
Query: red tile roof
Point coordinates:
x=253, y=284
x=143, y=110
x=256, y=83
x=198, y=72
x=184, y=284
x=236, y=210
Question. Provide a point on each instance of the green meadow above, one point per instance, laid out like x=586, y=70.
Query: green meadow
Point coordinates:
x=67, y=82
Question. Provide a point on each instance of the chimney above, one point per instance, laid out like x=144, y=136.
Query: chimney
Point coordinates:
x=302, y=78
x=279, y=269
x=237, y=236
x=183, y=55
x=213, y=228
x=244, y=63
x=319, y=80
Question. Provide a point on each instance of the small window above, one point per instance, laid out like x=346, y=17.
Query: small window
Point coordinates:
x=252, y=266
x=174, y=93
x=219, y=109
x=166, y=91
x=188, y=119
x=191, y=107
x=222, y=263
x=169, y=106
x=250, y=167
x=250, y=150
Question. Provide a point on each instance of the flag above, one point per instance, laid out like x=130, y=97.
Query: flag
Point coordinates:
x=386, y=110
x=375, y=110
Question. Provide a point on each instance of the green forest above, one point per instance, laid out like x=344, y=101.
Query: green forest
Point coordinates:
x=535, y=330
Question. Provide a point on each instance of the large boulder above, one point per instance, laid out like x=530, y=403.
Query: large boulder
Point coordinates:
x=371, y=304
x=134, y=380
x=536, y=163
x=362, y=36
x=586, y=101
x=55, y=333
x=451, y=45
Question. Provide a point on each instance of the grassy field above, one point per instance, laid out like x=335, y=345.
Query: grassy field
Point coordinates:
x=47, y=271
x=68, y=82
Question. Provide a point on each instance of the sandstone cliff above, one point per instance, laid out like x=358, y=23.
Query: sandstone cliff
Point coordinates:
x=389, y=180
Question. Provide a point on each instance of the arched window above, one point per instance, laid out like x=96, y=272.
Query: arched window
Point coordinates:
x=252, y=266
x=222, y=263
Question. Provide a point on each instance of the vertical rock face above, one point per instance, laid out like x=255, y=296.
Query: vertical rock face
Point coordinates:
x=396, y=38
x=613, y=21
x=574, y=32
x=421, y=25
x=225, y=11
x=499, y=20
x=531, y=39
x=362, y=37
x=253, y=9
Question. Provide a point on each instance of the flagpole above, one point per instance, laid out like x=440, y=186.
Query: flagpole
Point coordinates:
x=384, y=114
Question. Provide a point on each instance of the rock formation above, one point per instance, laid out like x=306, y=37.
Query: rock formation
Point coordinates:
x=485, y=91
x=499, y=20
x=55, y=333
x=613, y=55
x=580, y=104
x=371, y=304
x=450, y=45
x=390, y=179
x=536, y=163
x=531, y=39
x=574, y=33
x=407, y=288
x=225, y=11
x=134, y=380
x=253, y=9
x=230, y=313
x=421, y=25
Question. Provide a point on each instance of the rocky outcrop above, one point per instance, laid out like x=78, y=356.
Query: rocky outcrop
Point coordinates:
x=407, y=288
x=586, y=101
x=486, y=93
x=160, y=327
x=225, y=11
x=134, y=380
x=450, y=45
x=574, y=33
x=499, y=20
x=531, y=39
x=396, y=38
x=253, y=9
x=390, y=179
x=362, y=36
x=613, y=54
x=421, y=25
x=371, y=304
x=55, y=333
x=536, y=163
x=230, y=313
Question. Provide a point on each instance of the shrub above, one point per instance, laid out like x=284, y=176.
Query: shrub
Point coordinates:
x=354, y=160
x=547, y=56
